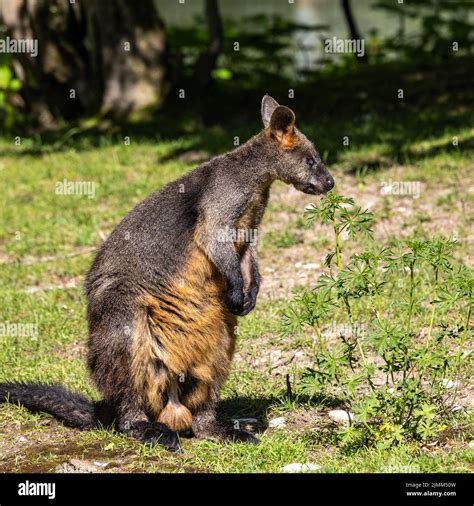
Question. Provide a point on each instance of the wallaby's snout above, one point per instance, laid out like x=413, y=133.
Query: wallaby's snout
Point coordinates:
x=320, y=180
x=297, y=161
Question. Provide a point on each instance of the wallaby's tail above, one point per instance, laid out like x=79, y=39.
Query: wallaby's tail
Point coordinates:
x=71, y=408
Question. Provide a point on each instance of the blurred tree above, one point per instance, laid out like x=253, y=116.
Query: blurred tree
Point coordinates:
x=105, y=57
x=353, y=29
x=207, y=60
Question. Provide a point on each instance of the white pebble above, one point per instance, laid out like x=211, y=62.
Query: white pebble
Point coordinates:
x=341, y=416
x=277, y=422
x=448, y=383
x=300, y=468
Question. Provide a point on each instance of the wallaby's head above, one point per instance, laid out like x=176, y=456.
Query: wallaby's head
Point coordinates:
x=297, y=161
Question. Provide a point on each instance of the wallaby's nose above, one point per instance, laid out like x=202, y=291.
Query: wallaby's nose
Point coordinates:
x=330, y=183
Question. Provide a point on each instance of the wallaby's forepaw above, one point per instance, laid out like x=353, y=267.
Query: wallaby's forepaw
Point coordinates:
x=250, y=299
x=234, y=301
x=240, y=303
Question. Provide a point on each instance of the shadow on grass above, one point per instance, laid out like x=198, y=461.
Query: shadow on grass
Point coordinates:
x=259, y=407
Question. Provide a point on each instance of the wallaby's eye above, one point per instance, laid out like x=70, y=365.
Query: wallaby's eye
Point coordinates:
x=310, y=161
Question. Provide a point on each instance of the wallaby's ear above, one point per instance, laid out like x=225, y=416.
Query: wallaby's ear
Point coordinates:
x=268, y=106
x=282, y=124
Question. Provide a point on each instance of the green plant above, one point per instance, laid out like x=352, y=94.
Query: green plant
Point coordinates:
x=8, y=85
x=414, y=302
x=344, y=216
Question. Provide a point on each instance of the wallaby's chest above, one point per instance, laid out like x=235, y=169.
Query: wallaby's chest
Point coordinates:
x=253, y=211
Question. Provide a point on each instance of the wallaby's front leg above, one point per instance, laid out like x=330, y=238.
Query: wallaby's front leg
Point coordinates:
x=251, y=275
x=206, y=426
x=221, y=250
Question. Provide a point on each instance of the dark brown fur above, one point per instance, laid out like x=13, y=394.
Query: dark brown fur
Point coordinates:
x=166, y=287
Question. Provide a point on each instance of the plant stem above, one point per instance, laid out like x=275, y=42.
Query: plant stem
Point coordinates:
x=320, y=338
x=412, y=288
x=463, y=339
x=338, y=246
x=379, y=308
x=378, y=305
x=351, y=319
x=435, y=289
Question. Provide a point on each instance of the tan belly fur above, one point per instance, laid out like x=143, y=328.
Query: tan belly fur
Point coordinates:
x=192, y=334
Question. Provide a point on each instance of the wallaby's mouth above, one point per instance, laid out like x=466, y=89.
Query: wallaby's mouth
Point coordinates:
x=317, y=188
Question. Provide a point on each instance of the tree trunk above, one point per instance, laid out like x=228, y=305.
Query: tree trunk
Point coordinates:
x=207, y=60
x=93, y=57
x=351, y=24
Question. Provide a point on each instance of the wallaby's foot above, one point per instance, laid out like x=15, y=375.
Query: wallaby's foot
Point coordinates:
x=205, y=426
x=152, y=433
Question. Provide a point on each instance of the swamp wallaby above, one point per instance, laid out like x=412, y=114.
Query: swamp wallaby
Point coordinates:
x=166, y=287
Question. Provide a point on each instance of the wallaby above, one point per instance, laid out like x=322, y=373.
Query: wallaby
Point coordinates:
x=165, y=288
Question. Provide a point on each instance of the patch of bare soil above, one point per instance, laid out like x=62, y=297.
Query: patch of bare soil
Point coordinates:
x=36, y=448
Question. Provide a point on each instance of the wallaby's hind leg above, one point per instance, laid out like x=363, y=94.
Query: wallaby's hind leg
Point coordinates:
x=123, y=365
x=134, y=422
x=205, y=398
x=206, y=426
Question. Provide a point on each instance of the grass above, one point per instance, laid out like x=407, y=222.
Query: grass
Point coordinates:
x=47, y=242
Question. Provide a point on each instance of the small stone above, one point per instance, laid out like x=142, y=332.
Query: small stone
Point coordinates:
x=300, y=468
x=341, y=416
x=22, y=439
x=447, y=383
x=101, y=464
x=277, y=422
x=311, y=266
